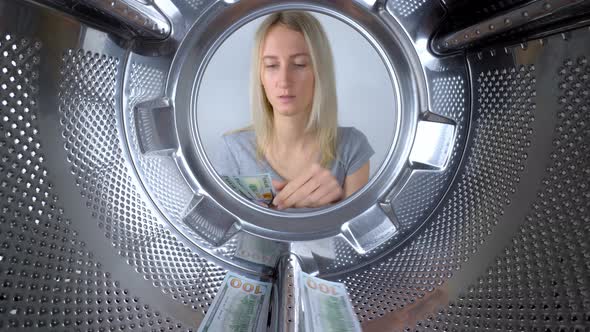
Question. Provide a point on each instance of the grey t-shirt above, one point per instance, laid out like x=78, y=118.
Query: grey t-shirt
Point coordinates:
x=237, y=155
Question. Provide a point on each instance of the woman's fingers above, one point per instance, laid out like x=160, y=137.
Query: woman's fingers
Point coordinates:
x=301, y=193
x=328, y=193
x=316, y=188
x=295, y=184
x=278, y=185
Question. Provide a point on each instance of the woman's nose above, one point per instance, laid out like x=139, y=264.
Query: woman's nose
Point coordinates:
x=284, y=79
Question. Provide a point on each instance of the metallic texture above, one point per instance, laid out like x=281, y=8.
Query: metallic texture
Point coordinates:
x=447, y=97
x=88, y=171
x=193, y=164
x=433, y=144
x=91, y=229
x=154, y=119
x=144, y=18
x=524, y=265
x=127, y=18
x=406, y=8
x=50, y=280
x=540, y=279
x=499, y=24
x=424, y=189
x=88, y=111
x=368, y=236
x=470, y=211
x=287, y=313
x=196, y=4
x=489, y=7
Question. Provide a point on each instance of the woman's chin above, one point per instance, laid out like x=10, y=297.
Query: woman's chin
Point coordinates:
x=287, y=111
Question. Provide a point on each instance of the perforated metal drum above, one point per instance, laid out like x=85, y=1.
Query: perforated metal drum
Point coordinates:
x=113, y=217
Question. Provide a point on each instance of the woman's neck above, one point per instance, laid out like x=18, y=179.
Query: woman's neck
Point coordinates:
x=291, y=149
x=290, y=135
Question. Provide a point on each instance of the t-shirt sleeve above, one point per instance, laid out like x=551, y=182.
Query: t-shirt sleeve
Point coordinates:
x=224, y=161
x=359, y=150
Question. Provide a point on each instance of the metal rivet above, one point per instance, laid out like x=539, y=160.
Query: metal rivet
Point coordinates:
x=477, y=32
x=525, y=14
x=547, y=6
x=507, y=21
x=492, y=27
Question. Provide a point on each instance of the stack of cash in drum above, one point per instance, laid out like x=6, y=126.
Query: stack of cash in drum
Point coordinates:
x=326, y=306
x=242, y=305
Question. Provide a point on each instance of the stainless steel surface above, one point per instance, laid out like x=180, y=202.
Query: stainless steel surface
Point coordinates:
x=287, y=313
x=67, y=258
x=433, y=145
x=142, y=17
x=494, y=262
x=511, y=20
x=363, y=231
x=190, y=156
x=152, y=118
x=104, y=227
x=127, y=18
x=406, y=8
x=541, y=272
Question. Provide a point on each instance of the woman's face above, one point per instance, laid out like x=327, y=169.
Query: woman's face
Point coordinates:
x=286, y=71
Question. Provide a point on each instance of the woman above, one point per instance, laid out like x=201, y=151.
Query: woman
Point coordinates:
x=295, y=135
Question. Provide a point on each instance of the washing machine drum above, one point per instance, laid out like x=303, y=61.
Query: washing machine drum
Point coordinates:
x=117, y=212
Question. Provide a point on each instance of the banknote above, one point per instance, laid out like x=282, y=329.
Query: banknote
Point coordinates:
x=326, y=306
x=256, y=188
x=260, y=251
x=231, y=182
x=259, y=185
x=241, y=305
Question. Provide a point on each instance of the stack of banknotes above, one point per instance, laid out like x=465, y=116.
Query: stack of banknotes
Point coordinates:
x=242, y=305
x=326, y=306
x=262, y=251
x=256, y=188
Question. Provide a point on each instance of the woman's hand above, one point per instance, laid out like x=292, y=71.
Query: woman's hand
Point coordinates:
x=316, y=187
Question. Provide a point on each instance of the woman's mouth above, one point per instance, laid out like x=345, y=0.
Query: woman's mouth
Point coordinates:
x=286, y=98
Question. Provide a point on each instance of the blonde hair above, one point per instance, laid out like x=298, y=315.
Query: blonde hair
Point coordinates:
x=323, y=119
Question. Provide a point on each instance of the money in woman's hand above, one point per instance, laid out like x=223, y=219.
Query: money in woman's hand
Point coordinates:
x=256, y=188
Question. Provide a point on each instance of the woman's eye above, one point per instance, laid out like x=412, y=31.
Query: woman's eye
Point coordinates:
x=271, y=66
x=300, y=65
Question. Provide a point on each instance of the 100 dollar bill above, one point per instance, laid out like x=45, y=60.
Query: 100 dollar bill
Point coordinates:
x=257, y=188
x=241, y=305
x=259, y=185
x=326, y=306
